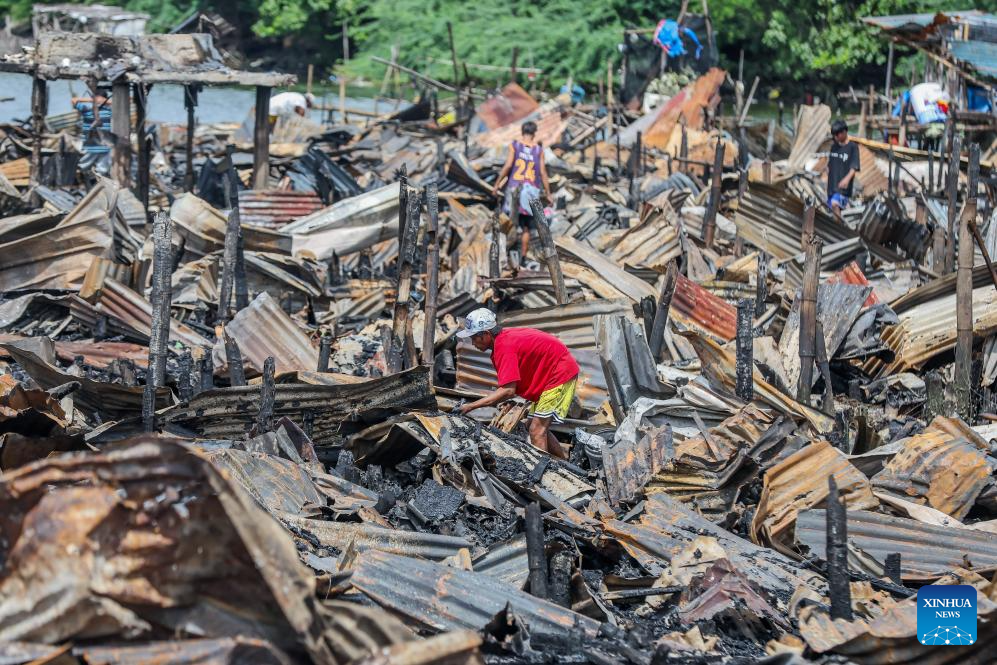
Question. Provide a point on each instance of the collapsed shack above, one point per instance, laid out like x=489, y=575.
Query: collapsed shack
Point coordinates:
x=227, y=425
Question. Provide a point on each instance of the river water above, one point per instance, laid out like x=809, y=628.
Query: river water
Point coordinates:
x=222, y=104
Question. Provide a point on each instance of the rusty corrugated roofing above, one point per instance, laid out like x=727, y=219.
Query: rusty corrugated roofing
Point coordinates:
x=263, y=329
x=445, y=598
x=697, y=308
x=274, y=208
x=852, y=274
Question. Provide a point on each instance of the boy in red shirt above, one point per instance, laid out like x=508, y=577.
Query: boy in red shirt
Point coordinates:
x=531, y=364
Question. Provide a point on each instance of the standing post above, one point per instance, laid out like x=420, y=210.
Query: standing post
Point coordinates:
x=889, y=71
x=710, y=221
x=955, y=146
x=761, y=285
x=836, y=551
x=536, y=550
x=39, y=108
x=190, y=103
x=141, y=92
x=324, y=351
x=261, y=139
x=406, y=261
x=121, y=117
x=808, y=319
x=268, y=395
x=549, y=252
x=494, y=271
x=432, y=276
x=233, y=356
x=657, y=340
x=228, y=266
x=964, y=294
x=159, y=333
x=207, y=369
x=745, y=387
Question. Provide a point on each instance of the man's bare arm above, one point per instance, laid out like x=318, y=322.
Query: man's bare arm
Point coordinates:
x=503, y=174
x=508, y=391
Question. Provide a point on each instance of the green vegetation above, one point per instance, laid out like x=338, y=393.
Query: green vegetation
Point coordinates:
x=785, y=42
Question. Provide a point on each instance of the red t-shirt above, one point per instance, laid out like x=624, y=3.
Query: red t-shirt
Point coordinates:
x=536, y=360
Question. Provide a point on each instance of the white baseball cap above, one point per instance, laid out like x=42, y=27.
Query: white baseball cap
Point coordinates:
x=478, y=321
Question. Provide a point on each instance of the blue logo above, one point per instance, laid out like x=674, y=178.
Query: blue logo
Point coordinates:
x=946, y=614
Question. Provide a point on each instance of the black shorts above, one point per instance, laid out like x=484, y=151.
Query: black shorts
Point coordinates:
x=526, y=222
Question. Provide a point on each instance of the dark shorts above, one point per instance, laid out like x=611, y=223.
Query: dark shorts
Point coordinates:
x=526, y=222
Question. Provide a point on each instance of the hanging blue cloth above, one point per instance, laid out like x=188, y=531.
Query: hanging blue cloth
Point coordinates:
x=668, y=35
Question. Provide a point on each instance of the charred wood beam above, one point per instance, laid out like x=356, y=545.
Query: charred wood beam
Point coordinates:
x=536, y=550
x=190, y=103
x=402, y=201
x=432, y=275
x=261, y=139
x=233, y=356
x=121, y=117
x=952, y=186
x=493, y=250
x=240, y=284
x=324, y=351
x=761, y=286
x=657, y=336
x=827, y=404
x=710, y=220
x=39, y=108
x=159, y=334
x=838, y=582
x=745, y=386
x=268, y=395
x=406, y=262
x=964, y=294
x=207, y=379
x=559, y=583
x=141, y=92
x=228, y=265
x=808, y=319
x=185, y=384
x=892, y=568
x=549, y=252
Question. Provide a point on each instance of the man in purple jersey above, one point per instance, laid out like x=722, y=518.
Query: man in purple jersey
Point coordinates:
x=524, y=168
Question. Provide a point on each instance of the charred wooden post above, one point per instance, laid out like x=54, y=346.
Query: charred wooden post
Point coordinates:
x=656, y=340
x=406, y=263
x=228, y=266
x=185, y=383
x=141, y=92
x=324, y=351
x=836, y=548
x=159, y=334
x=536, y=550
x=761, y=285
x=809, y=218
x=931, y=170
x=39, y=108
x=121, y=118
x=549, y=252
x=190, y=103
x=684, y=147
x=891, y=568
x=645, y=309
x=335, y=270
x=494, y=271
x=239, y=283
x=964, y=293
x=207, y=369
x=710, y=220
x=402, y=201
x=261, y=139
x=432, y=275
x=808, y=320
x=268, y=395
x=827, y=404
x=953, y=197
x=934, y=391
x=233, y=356
x=559, y=583
x=745, y=386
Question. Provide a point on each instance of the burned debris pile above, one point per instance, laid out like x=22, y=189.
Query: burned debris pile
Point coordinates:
x=229, y=408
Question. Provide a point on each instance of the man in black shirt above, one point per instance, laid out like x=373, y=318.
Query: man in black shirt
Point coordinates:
x=842, y=165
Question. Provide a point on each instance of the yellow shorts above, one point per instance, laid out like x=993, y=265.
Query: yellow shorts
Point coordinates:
x=555, y=402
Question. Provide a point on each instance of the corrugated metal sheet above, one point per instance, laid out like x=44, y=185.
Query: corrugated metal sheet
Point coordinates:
x=263, y=329
x=203, y=230
x=891, y=637
x=852, y=274
x=367, y=537
x=179, y=652
x=771, y=219
x=667, y=526
x=927, y=551
x=695, y=307
x=599, y=272
x=512, y=103
x=348, y=225
x=800, y=482
x=229, y=413
x=939, y=468
x=112, y=399
x=444, y=598
x=690, y=103
x=871, y=177
x=813, y=127
x=133, y=314
x=506, y=561
x=980, y=55
x=101, y=354
x=275, y=208
x=550, y=125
